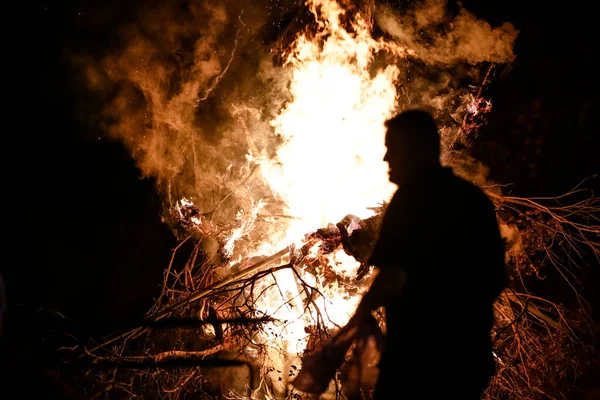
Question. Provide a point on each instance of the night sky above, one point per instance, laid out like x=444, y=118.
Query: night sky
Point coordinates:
x=87, y=231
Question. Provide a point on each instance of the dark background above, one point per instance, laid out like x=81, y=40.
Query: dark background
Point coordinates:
x=84, y=230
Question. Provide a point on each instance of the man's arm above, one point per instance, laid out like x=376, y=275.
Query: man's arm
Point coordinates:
x=387, y=284
x=394, y=253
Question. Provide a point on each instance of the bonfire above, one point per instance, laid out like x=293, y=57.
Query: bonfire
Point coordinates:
x=277, y=208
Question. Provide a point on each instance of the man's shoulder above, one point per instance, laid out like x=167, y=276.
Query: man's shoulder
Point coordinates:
x=440, y=188
x=441, y=180
x=468, y=189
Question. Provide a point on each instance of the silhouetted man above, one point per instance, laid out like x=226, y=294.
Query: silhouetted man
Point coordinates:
x=440, y=262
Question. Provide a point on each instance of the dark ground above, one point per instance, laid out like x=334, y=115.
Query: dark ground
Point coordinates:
x=87, y=231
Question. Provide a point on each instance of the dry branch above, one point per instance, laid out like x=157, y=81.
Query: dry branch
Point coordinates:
x=535, y=339
x=195, y=296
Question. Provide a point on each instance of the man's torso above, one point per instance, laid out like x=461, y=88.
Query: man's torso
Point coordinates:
x=443, y=232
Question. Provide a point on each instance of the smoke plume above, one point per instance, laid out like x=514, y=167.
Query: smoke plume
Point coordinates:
x=437, y=37
x=194, y=87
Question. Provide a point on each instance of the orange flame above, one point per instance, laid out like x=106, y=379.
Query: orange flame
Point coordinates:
x=331, y=161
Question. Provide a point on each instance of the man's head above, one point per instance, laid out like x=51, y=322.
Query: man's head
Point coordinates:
x=413, y=144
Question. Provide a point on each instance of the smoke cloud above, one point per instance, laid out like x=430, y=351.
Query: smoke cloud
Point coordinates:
x=189, y=92
x=193, y=88
x=438, y=37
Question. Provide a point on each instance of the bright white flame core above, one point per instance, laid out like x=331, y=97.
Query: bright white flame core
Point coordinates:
x=331, y=161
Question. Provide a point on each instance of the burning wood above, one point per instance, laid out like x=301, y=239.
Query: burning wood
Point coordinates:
x=247, y=331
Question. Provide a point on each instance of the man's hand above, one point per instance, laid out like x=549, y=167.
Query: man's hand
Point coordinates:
x=387, y=284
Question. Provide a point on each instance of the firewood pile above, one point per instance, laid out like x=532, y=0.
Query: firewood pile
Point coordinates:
x=207, y=323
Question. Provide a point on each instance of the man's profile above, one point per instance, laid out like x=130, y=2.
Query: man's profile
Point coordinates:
x=440, y=263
